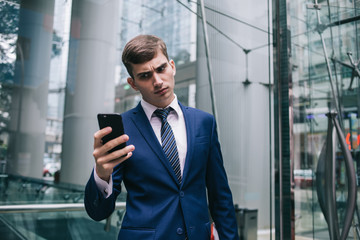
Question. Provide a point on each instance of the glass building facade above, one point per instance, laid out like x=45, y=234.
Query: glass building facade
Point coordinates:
x=316, y=58
x=270, y=72
x=324, y=57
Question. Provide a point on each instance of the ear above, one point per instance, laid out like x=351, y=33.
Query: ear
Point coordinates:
x=131, y=82
x=172, y=64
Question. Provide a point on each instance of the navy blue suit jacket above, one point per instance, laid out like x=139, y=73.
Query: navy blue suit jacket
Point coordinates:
x=157, y=207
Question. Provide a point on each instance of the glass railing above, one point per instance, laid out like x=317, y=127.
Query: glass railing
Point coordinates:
x=40, y=209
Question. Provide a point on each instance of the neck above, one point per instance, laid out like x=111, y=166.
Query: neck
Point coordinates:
x=164, y=105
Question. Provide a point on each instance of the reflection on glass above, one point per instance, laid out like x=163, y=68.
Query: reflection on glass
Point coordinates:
x=313, y=96
x=50, y=222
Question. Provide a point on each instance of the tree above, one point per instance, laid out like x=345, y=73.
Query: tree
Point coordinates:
x=9, y=25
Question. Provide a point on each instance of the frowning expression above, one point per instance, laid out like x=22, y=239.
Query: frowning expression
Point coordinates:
x=155, y=80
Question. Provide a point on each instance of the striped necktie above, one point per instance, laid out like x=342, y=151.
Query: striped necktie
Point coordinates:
x=168, y=141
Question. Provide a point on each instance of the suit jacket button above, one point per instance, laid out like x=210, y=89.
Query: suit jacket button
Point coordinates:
x=179, y=231
x=182, y=194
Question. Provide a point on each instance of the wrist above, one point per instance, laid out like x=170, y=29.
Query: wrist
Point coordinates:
x=102, y=176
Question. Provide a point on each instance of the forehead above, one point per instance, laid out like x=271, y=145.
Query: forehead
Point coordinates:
x=154, y=63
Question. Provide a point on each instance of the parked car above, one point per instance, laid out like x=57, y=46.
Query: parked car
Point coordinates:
x=50, y=169
x=303, y=178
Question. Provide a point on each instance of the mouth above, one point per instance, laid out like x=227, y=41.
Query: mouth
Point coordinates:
x=161, y=91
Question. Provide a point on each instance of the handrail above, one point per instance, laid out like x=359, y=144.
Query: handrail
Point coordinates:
x=66, y=186
x=56, y=207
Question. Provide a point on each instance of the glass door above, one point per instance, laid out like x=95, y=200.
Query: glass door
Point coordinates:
x=325, y=53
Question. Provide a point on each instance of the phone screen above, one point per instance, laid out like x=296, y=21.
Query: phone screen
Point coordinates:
x=114, y=121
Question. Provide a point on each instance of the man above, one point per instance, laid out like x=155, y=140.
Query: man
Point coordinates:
x=176, y=159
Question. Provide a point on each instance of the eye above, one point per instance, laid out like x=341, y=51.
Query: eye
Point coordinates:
x=144, y=76
x=161, y=68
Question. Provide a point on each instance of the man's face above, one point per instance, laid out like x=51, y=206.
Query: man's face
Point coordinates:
x=155, y=80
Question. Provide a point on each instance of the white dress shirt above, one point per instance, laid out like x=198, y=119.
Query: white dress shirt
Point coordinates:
x=177, y=123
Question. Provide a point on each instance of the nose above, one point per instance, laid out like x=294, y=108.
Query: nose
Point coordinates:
x=157, y=80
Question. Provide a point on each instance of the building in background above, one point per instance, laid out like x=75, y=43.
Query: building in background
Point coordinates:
x=176, y=25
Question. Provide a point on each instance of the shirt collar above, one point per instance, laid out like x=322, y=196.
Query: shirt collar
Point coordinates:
x=149, y=109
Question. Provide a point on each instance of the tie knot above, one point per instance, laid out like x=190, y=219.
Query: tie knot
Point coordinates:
x=162, y=113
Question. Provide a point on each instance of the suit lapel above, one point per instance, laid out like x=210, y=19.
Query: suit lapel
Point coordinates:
x=143, y=125
x=190, y=136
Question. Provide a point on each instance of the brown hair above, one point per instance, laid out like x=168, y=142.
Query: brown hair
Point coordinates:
x=140, y=49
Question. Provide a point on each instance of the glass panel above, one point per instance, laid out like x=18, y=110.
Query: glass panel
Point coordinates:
x=54, y=225
x=321, y=42
x=51, y=223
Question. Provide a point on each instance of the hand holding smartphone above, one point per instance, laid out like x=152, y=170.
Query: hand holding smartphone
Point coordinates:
x=114, y=121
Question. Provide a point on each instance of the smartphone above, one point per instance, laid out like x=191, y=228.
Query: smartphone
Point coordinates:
x=114, y=121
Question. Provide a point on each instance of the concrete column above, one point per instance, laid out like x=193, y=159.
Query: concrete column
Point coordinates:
x=29, y=97
x=242, y=106
x=90, y=83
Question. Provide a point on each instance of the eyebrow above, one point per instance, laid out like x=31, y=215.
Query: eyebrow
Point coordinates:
x=148, y=72
x=162, y=65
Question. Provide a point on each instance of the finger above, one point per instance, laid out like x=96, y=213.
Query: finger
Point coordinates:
x=122, y=153
x=115, y=142
x=99, y=135
x=119, y=160
x=103, y=150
